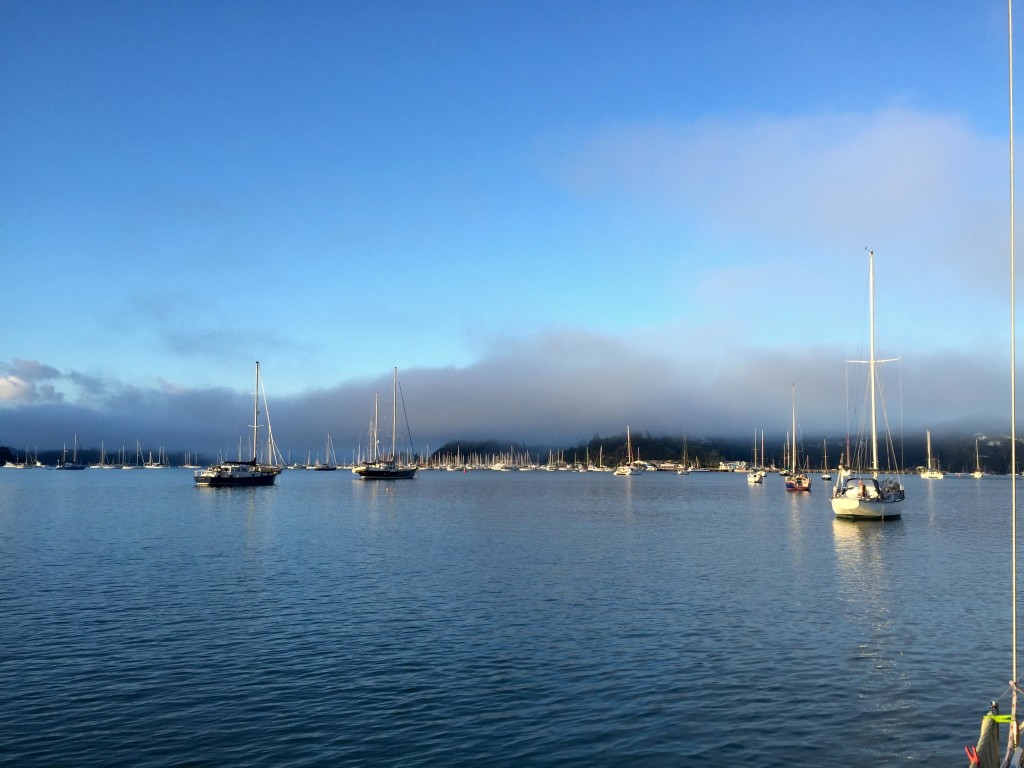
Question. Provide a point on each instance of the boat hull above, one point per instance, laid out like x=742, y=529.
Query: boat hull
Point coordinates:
x=865, y=509
x=865, y=499
x=235, y=476
x=385, y=472
x=235, y=482
x=798, y=483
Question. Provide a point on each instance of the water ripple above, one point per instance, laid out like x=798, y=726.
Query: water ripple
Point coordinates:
x=533, y=620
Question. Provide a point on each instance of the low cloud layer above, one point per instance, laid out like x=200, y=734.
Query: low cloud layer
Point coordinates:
x=557, y=389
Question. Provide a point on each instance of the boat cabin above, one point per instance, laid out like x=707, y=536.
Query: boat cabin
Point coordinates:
x=860, y=488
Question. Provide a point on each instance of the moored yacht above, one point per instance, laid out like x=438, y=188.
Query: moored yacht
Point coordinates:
x=228, y=474
x=74, y=463
x=931, y=471
x=381, y=467
x=868, y=498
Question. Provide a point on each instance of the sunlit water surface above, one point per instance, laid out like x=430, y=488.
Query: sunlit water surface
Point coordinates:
x=506, y=619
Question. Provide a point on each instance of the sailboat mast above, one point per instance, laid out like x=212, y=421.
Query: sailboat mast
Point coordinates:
x=871, y=359
x=394, y=411
x=256, y=413
x=376, y=431
x=1013, y=393
x=792, y=453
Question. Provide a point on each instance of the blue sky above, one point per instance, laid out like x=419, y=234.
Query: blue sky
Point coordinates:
x=554, y=218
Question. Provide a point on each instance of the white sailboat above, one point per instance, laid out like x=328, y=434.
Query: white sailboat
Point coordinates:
x=684, y=464
x=931, y=472
x=161, y=460
x=627, y=467
x=101, y=463
x=864, y=497
x=138, y=457
x=825, y=474
x=796, y=480
x=977, y=474
x=231, y=474
x=28, y=463
x=17, y=464
x=757, y=472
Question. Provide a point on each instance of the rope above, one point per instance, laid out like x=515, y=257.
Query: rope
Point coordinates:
x=406, y=415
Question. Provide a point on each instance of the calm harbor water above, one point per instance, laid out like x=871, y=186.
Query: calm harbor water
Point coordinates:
x=507, y=619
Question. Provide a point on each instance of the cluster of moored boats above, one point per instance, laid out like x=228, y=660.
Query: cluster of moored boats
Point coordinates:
x=254, y=472
x=863, y=496
x=65, y=462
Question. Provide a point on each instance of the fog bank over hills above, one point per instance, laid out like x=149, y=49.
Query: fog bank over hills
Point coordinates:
x=557, y=389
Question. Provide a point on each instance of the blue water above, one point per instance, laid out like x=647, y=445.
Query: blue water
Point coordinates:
x=506, y=619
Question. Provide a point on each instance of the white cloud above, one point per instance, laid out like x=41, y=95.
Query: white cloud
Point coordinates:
x=815, y=179
x=16, y=390
x=28, y=381
x=780, y=207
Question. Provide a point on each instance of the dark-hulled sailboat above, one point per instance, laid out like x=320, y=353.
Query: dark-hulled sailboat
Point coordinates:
x=386, y=467
x=233, y=474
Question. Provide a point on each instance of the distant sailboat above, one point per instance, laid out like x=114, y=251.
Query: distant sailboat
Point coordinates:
x=627, y=467
x=17, y=464
x=796, y=480
x=757, y=472
x=931, y=472
x=977, y=473
x=138, y=457
x=330, y=462
x=161, y=460
x=102, y=462
x=73, y=464
x=388, y=467
x=684, y=465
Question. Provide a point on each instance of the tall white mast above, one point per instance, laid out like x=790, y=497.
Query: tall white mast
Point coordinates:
x=871, y=359
x=394, y=412
x=256, y=413
x=1013, y=394
x=374, y=448
x=792, y=452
